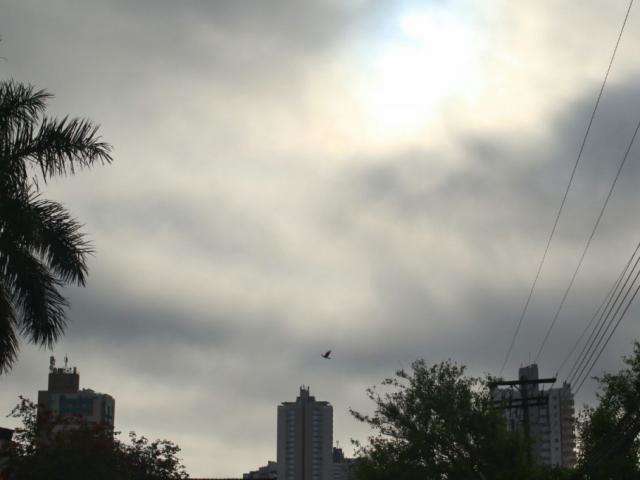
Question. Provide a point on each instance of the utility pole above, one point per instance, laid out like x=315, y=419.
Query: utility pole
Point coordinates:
x=524, y=402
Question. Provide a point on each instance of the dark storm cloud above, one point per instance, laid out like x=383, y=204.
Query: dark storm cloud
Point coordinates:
x=496, y=202
x=519, y=183
x=500, y=204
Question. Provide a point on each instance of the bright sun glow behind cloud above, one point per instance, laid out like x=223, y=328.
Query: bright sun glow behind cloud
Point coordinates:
x=433, y=57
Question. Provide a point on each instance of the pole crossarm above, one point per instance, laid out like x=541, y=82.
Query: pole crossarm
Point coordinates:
x=506, y=383
x=526, y=401
x=518, y=403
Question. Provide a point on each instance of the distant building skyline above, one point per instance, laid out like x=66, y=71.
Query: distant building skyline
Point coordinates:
x=305, y=438
x=267, y=472
x=64, y=397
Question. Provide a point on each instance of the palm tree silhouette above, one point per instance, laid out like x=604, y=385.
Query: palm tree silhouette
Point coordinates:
x=42, y=247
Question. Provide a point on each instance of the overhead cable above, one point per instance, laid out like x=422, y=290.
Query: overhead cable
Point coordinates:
x=566, y=192
x=588, y=242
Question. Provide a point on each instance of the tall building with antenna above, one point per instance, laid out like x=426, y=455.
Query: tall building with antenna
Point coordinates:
x=305, y=439
x=63, y=397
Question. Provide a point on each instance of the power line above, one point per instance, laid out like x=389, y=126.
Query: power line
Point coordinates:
x=604, y=345
x=608, y=321
x=600, y=309
x=588, y=243
x=593, y=363
x=566, y=192
x=626, y=430
x=603, y=317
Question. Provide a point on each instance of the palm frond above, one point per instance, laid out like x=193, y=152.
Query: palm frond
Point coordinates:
x=42, y=247
x=55, y=147
x=49, y=230
x=8, y=337
x=34, y=292
x=62, y=146
x=20, y=103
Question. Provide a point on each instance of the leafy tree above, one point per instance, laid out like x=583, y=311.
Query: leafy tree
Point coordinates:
x=64, y=448
x=42, y=247
x=608, y=433
x=436, y=423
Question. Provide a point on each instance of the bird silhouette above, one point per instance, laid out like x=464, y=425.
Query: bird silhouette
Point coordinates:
x=327, y=355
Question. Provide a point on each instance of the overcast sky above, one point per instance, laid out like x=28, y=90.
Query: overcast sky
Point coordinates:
x=373, y=177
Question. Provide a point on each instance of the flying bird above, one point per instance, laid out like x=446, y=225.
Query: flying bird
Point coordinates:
x=327, y=355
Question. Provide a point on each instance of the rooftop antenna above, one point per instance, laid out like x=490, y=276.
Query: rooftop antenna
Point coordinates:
x=66, y=361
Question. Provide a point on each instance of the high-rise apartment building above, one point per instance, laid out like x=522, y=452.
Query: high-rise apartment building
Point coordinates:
x=63, y=397
x=550, y=424
x=305, y=439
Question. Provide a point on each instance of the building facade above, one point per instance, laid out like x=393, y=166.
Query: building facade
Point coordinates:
x=305, y=439
x=5, y=439
x=551, y=424
x=64, y=398
x=5, y=436
x=343, y=467
x=268, y=472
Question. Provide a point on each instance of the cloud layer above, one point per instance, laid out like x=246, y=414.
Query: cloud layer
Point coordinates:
x=261, y=210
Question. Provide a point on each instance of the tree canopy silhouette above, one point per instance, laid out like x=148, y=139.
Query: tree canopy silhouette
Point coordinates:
x=436, y=423
x=42, y=247
x=54, y=447
x=610, y=431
